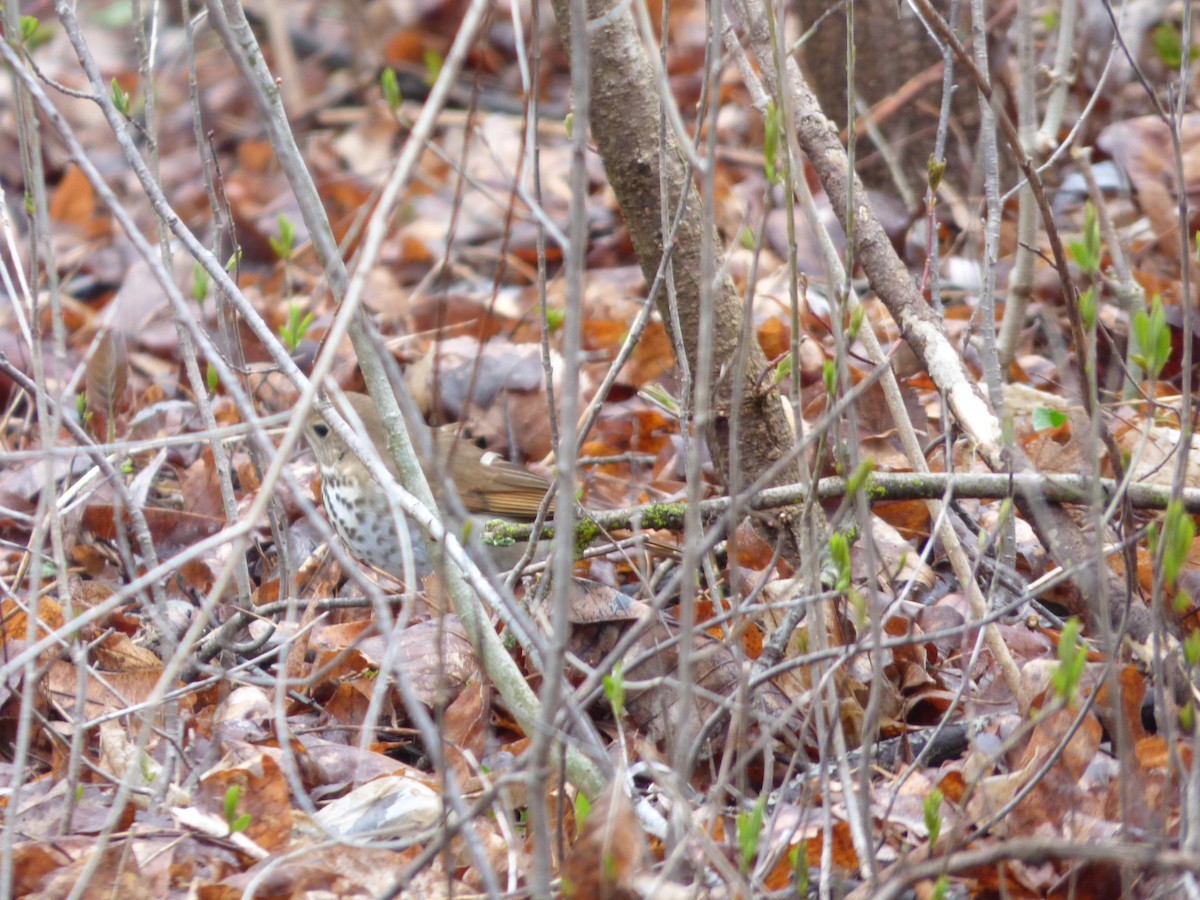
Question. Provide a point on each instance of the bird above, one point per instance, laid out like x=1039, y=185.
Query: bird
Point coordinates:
x=358, y=507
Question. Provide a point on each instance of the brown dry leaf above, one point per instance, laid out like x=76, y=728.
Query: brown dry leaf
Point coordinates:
x=201, y=488
x=11, y=696
x=118, y=653
x=366, y=147
x=33, y=861
x=748, y=549
x=74, y=203
x=901, y=805
x=499, y=855
x=338, y=765
x=436, y=656
x=105, y=691
x=1058, y=798
x=1048, y=733
x=340, y=870
x=899, y=562
x=845, y=858
x=120, y=757
x=328, y=641
x=775, y=337
x=610, y=853
x=118, y=874
x=348, y=705
x=928, y=705
x=141, y=309
x=107, y=378
x=1153, y=451
x=244, y=715
x=465, y=731
x=1153, y=752
x=44, y=806
x=989, y=794
x=263, y=795
x=172, y=530
x=86, y=593
x=497, y=388
x=1137, y=146
x=16, y=622
x=651, y=359
x=1146, y=795
x=600, y=615
x=1133, y=693
x=910, y=518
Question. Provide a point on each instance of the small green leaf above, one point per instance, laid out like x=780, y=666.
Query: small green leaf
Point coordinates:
x=857, y=317
x=1168, y=44
x=941, y=887
x=858, y=603
x=33, y=33
x=1087, y=309
x=1087, y=253
x=774, y=131
x=120, y=98
x=1178, y=531
x=390, y=85
x=1187, y=717
x=212, y=379
x=829, y=376
x=569, y=124
x=583, y=808
x=1072, y=657
x=749, y=830
x=1151, y=339
x=859, y=476
x=199, y=283
x=783, y=368
x=433, y=65
x=284, y=243
x=798, y=856
x=1045, y=418
x=1191, y=648
x=659, y=396
x=555, y=318
x=232, y=795
x=614, y=690
x=934, y=170
x=292, y=332
x=839, y=554
x=933, y=816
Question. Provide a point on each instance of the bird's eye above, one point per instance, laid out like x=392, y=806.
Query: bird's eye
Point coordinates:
x=321, y=430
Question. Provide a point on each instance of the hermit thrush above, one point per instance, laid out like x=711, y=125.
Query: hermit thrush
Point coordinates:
x=358, y=507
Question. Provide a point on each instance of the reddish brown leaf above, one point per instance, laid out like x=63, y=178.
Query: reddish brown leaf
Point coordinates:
x=610, y=853
x=106, y=381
